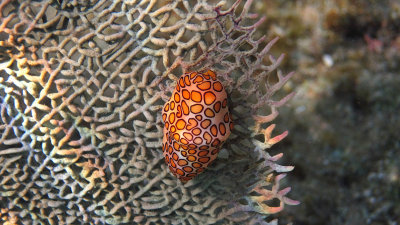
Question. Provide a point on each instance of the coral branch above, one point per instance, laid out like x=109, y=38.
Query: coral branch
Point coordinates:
x=274, y=193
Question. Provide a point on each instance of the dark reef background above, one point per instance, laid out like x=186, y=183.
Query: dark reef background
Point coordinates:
x=344, y=121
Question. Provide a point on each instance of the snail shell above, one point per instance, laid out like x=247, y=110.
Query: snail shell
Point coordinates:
x=197, y=123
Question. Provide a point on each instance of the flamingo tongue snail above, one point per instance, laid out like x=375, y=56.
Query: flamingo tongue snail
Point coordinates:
x=197, y=123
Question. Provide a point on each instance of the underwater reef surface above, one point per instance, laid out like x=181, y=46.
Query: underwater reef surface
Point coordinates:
x=82, y=86
x=344, y=120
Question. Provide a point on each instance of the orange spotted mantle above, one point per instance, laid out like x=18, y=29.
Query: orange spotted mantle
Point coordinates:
x=197, y=123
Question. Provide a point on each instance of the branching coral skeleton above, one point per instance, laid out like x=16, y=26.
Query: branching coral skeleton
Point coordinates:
x=82, y=84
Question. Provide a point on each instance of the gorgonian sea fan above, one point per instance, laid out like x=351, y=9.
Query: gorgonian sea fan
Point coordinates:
x=82, y=84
